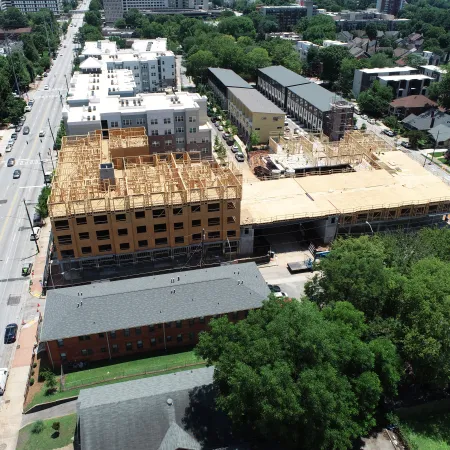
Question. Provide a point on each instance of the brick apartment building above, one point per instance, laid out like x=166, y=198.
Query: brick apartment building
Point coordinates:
x=150, y=314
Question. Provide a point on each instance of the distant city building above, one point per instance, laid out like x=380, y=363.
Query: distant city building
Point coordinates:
x=29, y=6
x=288, y=16
x=435, y=72
x=390, y=6
x=115, y=9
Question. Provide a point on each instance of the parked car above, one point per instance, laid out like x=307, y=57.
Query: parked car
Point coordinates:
x=220, y=128
x=34, y=236
x=8, y=148
x=297, y=131
x=37, y=220
x=27, y=108
x=18, y=128
x=46, y=87
x=26, y=130
x=17, y=174
x=239, y=157
x=22, y=121
x=11, y=333
x=279, y=294
x=364, y=117
x=11, y=142
x=225, y=135
x=371, y=121
x=405, y=144
x=235, y=148
x=11, y=162
x=45, y=74
x=3, y=378
x=42, y=133
x=14, y=136
x=274, y=288
x=355, y=127
x=31, y=102
x=26, y=269
x=389, y=133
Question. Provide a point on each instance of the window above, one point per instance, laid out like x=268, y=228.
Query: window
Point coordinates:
x=121, y=217
x=101, y=335
x=191, y=322
x=193, y=130
x=98, y=220
x=231, y=219
x=81, y=221
x=197, y=237
x=231, y=205
x=124, y=246
x=257, y=129
x=151, y=328
x=179, y=323
x=180, y=338
x=179, y=118
x=63, y=356
x=204, y=150
x=122, y=231
x=168, y=142
x=104, y=248
x=140, y=344
x=156, y=143
x=103, y=349
x=84, y=338
x=155, y=133
x=126, y=122
x=167, y=120
x=179, y=239
x=114, y=124
x=202, y=319
x=195, y=208
x=231, y=233
x=178, y=225
x=192, y=119
x=153, y=121
x=143, y=243
x=84, y=352
x=102, y=235
x=160, y=228
x=168, y=324
x=138, y=331
x=213, y=221
x=179, y=130
x=169, y=338
x=128, y=346
x=126, y=332
x=179, y=140
x=141, y=229
x=159, y=213
x=161, y=241
x=115, y=348
x=60, y=343
x=112, y=334
x=197, y=223
x=62, y=224
x=177, y=211
x=140, y=121
x=213, y=207
x=152, y=342
x=236, y=315
x=214, y=235
x=191, y=336
x=167, y=132
x=139, y=214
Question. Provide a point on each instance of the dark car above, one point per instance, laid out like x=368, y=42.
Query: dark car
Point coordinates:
x=274, y=288
x=26, y=130
x=11, y=333
x=11, y=162
x=17, y=174
x=26, y=269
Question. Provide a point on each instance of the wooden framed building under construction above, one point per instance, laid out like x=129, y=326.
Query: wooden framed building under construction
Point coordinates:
x=112, y=197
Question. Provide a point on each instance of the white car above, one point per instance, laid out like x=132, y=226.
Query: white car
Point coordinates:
x=27, y=108
x=279, y=294
x=34, y=236
x=371, y=121
x=41, y=133
x=364, y=117
x=235, y=148
x=8, y=148
x=220, y=128
x=46, y=87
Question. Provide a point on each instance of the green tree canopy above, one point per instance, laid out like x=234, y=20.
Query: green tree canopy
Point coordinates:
x=375, y=100
x=237, y=26
x=331, y=58
x=276, y=380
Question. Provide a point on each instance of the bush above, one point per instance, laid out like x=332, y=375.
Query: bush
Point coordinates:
x=32, y=372
x=34, y=365
x=42, y=207
x=43, y=375
x=56, y=426
x=50, y=383
x=38, y=427
x=31, y=381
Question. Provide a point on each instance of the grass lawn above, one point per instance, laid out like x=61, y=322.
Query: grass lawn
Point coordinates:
x=46, y=440
x=107, y=374
x=429, y=433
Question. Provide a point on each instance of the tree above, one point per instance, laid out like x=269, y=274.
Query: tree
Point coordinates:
x=275, y=380
x=14, y=18
x=95, y=5
x=371, y=30
x=254, y=139
x=50, y=383
x=198, y=63
x=93, y=18
x=416, y=138
x=257, y=58
x=317, y=28
x=414, y=60
x=375, y=100
x=237, y=26
x=331, y=58
x=434, y=91
x=444, y=89
x=121, y=24
x=380, y=60
x=348, y=66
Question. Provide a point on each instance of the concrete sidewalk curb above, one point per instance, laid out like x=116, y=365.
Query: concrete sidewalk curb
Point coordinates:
x=47, y=405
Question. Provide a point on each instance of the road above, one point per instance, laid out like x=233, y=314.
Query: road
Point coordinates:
x=17, y=248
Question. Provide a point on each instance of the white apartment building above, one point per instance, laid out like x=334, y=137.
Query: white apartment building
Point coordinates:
x=152, y=65
x=106, y=99
x=115, y=9
x=433, y=71
x=303, y=47
x=30, y=6
x=330, y=43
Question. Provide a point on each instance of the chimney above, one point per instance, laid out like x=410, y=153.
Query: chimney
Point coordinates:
x=432, y=118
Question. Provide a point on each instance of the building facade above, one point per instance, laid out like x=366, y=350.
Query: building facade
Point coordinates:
x=147, y=314
x=30, y=6
x=251, y=112
x=390, y=6
x=219, y=80
x=406, y=85
x=363, y=78
x=435, y=72
x=289, y=16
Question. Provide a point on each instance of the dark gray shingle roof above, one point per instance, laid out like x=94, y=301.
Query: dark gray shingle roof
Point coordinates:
x=424, y=121
x=229, y=78
x=149, y=300
x=318, y=96
x=284, y=76
x=136, y=415
x=255, y=101
x=440, y=133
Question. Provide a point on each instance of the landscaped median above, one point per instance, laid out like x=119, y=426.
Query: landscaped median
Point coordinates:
x=115, y=372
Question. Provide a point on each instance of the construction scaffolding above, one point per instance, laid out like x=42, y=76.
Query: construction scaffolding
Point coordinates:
x=141, y=180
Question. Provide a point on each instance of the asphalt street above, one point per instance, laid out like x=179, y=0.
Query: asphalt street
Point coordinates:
x=16, y=247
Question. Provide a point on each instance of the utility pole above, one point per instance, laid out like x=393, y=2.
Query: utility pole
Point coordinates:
x=203, y=246
x=31, y=225
x=435, y=145
x=42, y=166
x=67, y=84
x=48, y=42
x=51, y=131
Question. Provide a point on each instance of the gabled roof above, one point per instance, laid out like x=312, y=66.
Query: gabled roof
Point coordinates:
x=425, y=120
x=229, y=78
x=91, y=63
x=284, y=76
x=413, y=101
x=115, y=305
x=440, y=133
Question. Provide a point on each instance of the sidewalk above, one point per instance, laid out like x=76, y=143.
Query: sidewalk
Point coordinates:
x=49, y=413
x=12, y=405
x=39, y=261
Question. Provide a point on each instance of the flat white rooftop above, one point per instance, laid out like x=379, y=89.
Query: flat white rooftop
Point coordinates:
x=434, y=68
x=417, y=76
x=388, y=69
